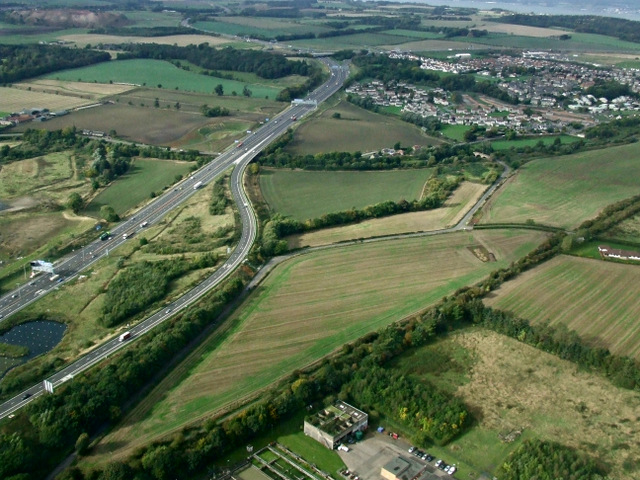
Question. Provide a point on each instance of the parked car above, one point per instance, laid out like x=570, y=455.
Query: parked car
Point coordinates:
x=451, y=470
x=439, y=462
x=412, y=449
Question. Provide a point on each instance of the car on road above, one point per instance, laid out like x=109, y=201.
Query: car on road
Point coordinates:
x=168, y=310
x=26, y=395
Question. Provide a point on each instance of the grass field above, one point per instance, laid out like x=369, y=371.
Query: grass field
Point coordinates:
x=145, y=176
x=307, y=194
x=455, y=132
x=597, y=299
x=357, y=129
x=306, y=308
x=564, y=191
x=82, y=39
x=267, y=27
x=579, y=42
x=530, y=142
x=15, y=99
x=628, y=230
x=158, y=73
x=355, y=41
x=75, y=89
x=19, y=36
x=454, y=208
x=510, y=386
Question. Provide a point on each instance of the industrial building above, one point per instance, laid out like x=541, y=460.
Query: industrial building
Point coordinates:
x=331, y=425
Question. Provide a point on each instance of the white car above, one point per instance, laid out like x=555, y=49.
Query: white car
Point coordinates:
x=451, y=470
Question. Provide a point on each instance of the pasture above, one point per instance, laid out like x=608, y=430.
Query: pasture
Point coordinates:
x=627, y=231
x=357, y=129
x=564, y=191
x=146, y=175
x=158, y=73
x=307, y=307
x=309, y=194
x=15, y=99
x=454, y=132
x=531, y=142
x=597, y=299
x=513, y=387
x=465, y=196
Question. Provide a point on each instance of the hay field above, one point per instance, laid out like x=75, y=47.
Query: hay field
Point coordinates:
x=511, y=386
x=82, y=39
x=357, y=129
x=306, y=308
x=305, y=194
x=15, y=99
x=599, y=300
x=94, y=90
x=454, y=208
x=522, y=30
x=564, y=191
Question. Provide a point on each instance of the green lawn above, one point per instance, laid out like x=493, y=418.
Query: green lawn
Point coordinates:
x=564, y=191
x=154, y=73
x=455, y=132
x=305, y=194
x=146, y=176
x=530, y=142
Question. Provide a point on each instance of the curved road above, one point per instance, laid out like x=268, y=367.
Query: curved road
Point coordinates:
x=239, y=157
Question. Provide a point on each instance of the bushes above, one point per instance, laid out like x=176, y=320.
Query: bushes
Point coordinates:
x=219, y=200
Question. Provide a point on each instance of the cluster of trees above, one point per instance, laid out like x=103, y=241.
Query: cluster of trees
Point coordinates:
x=315, y=78
x=614, y=27
x=610, y=89
x=106, y=165
x=263, y=64
x=544, y=460
x=141, y=284
x=145, y=31
x=39, y=142
x=49, y=428
x=20, y=62
x=216, y=111
x=219, y=200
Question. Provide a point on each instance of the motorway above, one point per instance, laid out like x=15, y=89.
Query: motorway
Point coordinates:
x=237, y=156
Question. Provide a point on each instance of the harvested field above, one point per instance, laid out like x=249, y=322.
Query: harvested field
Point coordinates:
x=454, y=208
x=523, y=30
x=74, y=89
x=599, y=300
x=515, y=387
x=306, y=308
x=357, y=129
x=565, y=191
x=15, y=99
x=434, y=46
x=309, y=194
x=82, y=39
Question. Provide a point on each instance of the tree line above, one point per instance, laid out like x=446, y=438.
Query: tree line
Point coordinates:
x=20, y=62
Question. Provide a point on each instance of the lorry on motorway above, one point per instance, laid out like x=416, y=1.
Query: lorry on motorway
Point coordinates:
x=197, y=185
x=124, y=336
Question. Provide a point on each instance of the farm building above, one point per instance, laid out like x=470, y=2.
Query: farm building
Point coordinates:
x=608, y=252
x=401, y=468
x=332, y=424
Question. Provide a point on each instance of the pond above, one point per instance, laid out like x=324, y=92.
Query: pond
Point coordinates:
x=38, y=336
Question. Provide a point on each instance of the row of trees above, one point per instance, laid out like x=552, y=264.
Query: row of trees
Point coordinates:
x=20, y=62
x=219, y=200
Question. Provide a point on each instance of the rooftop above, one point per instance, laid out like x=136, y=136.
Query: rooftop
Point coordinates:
x=337, y=418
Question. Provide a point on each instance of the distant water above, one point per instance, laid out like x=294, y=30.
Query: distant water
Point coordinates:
x=630, y=13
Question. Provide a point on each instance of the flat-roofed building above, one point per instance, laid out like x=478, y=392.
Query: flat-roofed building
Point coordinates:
x=332, y=424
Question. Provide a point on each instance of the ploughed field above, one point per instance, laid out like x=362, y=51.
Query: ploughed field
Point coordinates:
x=598, y=299
x=306, y=308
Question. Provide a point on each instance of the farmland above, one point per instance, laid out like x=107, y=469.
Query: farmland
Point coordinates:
x=308, y=194
x=15, y=99
x=454, y=208
x=564, y=191
x=597, y=299
x=265, y=27
x=74, y=89
x=82, y=39
x=306, y=308
x=628, y=230
x=531, y=142
x=145, y=176
x=158, y=73
x=511, y=386
x=356, y=129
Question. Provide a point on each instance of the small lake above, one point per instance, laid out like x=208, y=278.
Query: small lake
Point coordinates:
x=38, y=336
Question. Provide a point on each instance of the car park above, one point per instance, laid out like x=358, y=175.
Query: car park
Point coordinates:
x=412, y=449
x=438, y=463
x=451, y=470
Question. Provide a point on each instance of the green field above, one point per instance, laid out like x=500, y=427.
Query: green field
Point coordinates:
x=564, y=191
x=265, y=27
x=531, y=142
x=357, y=129
x=598, y=299
x=306, y=308
x=12, y=38
x=145, y=176
x=455, y=132
x=306, y=194
x=155, y=73
x=357, y=40
x=579, y=42
x=628, y=230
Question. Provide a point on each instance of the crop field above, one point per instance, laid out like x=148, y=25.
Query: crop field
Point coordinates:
x=453, y=210
x=514, y=387
x=357, y=40
x=34, y=35
x=157, y=73
x=565, y=191
x=579, y=42
x=75, y=89
x=597, y=299
x=628, y=230
x=82, y=39
x=530, y=142
x=265, y=26
x=432, y=45
x=309, y=194
x=306, y=308
x=145, y=176
x=154, y=19
x=357, y=129
x=15, y=99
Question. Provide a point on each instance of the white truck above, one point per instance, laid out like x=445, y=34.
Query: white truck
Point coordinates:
x=124, y=336
x=197, y=185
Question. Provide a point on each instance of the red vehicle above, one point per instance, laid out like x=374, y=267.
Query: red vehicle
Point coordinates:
x=240, y=144
x=294, y=118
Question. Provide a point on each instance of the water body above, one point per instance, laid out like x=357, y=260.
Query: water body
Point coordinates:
x=630, y=10
x=38, y=336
